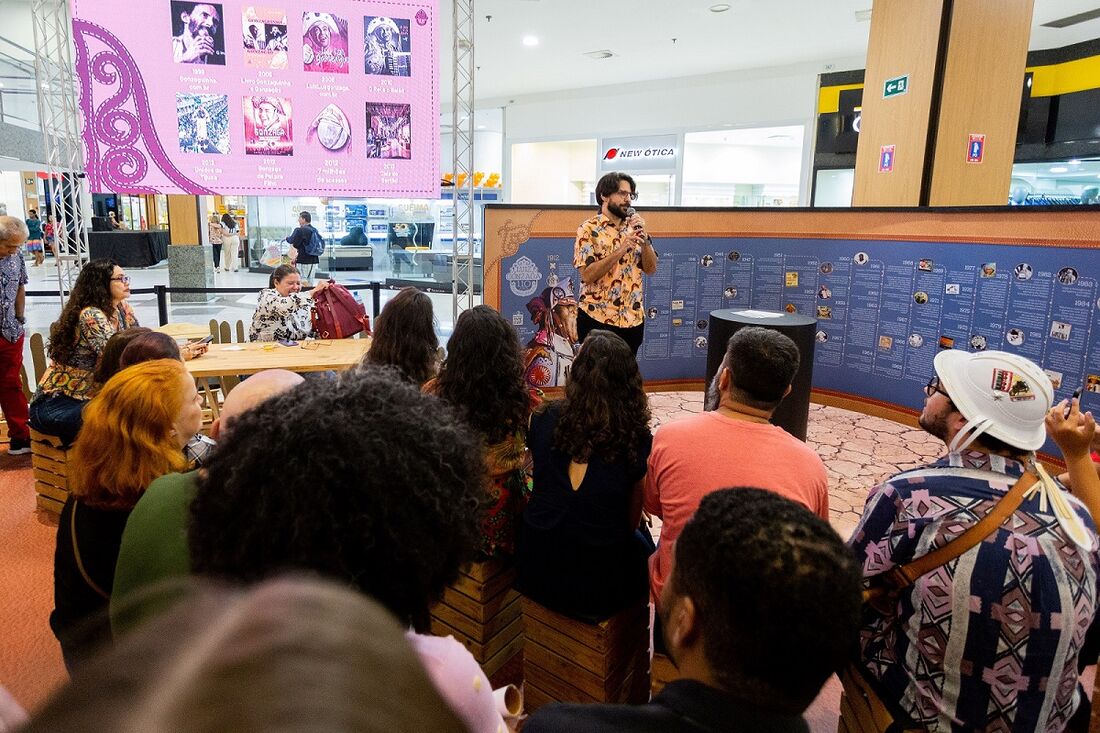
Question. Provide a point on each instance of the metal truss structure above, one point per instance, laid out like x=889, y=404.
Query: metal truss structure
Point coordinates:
x=59, y=116
x=463, y=273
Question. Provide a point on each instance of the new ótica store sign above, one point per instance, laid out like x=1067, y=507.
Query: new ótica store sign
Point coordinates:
x=650, y=152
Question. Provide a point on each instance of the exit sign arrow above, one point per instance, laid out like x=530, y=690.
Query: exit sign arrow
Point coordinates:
x=895, y=87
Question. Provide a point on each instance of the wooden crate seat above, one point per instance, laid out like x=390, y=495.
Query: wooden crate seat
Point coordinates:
x=566, y=660
x=49, y=464
x=481, y=610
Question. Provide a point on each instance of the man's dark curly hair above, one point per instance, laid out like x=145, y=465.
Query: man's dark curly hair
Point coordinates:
x=483, y=375
x=92, y=289
x=385, y=494
x=404, y=336
x=762, y=363
x=605, y=412
x=777, y=592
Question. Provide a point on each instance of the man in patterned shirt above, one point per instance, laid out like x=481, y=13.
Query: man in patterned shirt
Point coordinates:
x=13, y=278
x=990, y=640
x=612, y=252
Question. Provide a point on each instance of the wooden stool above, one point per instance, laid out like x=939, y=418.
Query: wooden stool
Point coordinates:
x=483, y=612
x=565, y=660
x=662, y=671
x=49, y=463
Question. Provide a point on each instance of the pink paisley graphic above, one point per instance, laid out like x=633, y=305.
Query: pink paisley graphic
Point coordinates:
x=115, y=130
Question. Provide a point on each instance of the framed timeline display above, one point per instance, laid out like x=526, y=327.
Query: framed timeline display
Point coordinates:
x=888, y=291
x=285, y=98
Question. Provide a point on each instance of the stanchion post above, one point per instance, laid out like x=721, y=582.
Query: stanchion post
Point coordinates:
x=162, y=303
x=376, y=298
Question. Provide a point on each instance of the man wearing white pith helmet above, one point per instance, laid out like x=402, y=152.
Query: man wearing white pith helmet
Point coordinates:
x=988, y=640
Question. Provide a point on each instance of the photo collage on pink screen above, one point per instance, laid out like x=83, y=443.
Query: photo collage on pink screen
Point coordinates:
x=283, y=97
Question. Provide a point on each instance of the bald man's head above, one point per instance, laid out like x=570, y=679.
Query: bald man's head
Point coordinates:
x=13, y=232
x=251, y=392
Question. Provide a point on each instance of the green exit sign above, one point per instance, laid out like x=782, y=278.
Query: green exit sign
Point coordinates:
x=895, y=87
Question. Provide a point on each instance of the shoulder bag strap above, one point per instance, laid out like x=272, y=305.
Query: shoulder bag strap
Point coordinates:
x=76, y=554
x=977, y=532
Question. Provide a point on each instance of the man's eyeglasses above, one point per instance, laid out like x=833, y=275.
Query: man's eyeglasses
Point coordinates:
x=933, y=387
x=124, y=279
x=630, y=195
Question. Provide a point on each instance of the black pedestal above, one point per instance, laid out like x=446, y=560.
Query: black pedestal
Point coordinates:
x=794, y=411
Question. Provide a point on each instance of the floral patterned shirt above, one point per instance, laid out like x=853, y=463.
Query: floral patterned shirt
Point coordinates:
x=13, y=275
x=616, y=298
x=94, y=330
x=281, y=317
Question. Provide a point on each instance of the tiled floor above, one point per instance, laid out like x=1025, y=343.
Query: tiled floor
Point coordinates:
x=858, y=450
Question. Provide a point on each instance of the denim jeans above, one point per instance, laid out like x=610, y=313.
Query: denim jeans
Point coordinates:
x=58, y=415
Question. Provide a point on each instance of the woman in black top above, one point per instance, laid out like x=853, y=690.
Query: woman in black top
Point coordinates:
x=134, y=431
x=580, y=552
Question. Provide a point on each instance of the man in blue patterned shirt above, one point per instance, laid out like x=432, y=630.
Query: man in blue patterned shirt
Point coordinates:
x=989, y=640
x=13, y=278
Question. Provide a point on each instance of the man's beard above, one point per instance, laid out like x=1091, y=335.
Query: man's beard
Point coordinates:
x=935, y=426
x=714, y=396
x=618, y=210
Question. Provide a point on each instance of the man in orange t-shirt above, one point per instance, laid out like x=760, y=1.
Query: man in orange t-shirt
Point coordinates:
x=732, y=446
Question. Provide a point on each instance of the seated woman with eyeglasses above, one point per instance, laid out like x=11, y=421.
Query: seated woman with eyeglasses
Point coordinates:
x=283, y=310
x=96, y=311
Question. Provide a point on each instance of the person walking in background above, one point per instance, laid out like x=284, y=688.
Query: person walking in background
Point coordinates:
x=298, y=240
x=231, y=242
x=50, y=232
x=214, y=227
x=13, y=280
x=34, y=236
x=612, y=252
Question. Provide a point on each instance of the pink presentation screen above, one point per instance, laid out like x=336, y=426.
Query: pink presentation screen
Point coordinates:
x=332, y=98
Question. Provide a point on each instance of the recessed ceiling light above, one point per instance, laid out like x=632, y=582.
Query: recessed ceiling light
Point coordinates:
x=720, y=8
x=603, y=53
x=530, y=41
x=1059, y=169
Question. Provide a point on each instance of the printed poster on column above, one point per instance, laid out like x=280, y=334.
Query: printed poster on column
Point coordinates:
x=302, y=97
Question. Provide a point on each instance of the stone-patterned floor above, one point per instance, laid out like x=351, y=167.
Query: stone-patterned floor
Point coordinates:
x=858, y=450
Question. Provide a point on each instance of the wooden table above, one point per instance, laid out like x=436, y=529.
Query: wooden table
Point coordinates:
x=249, y=358
x=184, y=330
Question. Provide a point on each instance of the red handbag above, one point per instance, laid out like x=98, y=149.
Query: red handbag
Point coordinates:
x=337, y=314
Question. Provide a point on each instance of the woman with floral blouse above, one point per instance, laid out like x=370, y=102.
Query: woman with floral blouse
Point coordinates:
x=283, y=311
x=96, y=310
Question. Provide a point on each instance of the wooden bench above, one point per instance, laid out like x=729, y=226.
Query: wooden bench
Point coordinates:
x=565, y=660
x=49, y=464
x=482, y=611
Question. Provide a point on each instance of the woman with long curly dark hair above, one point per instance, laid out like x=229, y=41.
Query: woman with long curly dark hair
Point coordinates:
x=404, y=337
x=482, y=378
x=580, y=551
x=96, y=310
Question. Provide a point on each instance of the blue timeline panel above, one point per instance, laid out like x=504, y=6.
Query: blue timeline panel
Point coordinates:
x=884, y=308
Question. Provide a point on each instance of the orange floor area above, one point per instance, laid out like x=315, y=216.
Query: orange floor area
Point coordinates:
x=858, y=451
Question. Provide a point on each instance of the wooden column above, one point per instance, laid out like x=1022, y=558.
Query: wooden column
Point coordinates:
x=983, y=81
x=904, y=41
x=965, y=64
x=183, y=219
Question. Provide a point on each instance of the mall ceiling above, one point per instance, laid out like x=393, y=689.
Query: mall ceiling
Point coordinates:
x=660, y=39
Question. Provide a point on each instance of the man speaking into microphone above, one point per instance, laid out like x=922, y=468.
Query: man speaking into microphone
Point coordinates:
x=612, y=252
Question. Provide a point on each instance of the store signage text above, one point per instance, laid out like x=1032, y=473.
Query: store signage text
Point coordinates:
x=640, y=153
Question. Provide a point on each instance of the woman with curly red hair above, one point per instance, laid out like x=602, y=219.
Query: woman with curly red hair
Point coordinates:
x=134, y=431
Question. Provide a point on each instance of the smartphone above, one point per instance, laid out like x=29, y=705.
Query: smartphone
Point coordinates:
x=203, y=340
x=288, y=343
x=1076, y=396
